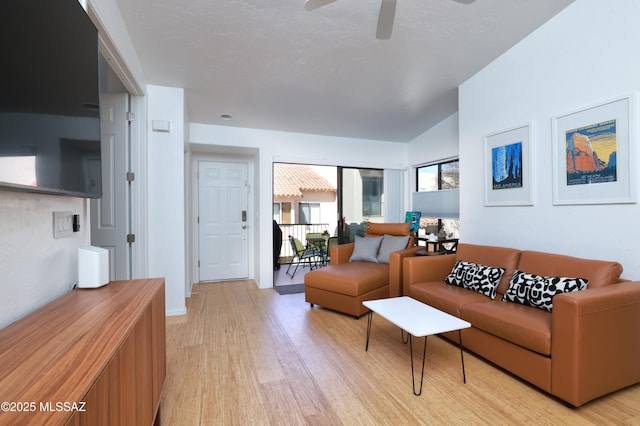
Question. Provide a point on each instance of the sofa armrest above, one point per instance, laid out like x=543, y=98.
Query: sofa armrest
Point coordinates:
x=595, y=347
x=425, y=269
x=341, y=253
x=396, y=266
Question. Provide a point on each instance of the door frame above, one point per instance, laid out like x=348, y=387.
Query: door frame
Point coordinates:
x=115, y=147
x=193, y=245
x=137, y=256
x=138, y=191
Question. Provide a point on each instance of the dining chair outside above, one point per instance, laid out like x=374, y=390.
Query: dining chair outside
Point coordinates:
x=333, y=241
x=318, y=241
x=302, y=255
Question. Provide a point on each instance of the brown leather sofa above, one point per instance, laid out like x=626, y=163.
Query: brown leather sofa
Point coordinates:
x=343, y=285
x=586, y=347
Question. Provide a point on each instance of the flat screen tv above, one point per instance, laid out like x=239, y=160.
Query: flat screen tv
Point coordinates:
x=49, y=99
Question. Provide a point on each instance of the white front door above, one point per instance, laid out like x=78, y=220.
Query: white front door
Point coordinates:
x=109, y=214
x=222, y=218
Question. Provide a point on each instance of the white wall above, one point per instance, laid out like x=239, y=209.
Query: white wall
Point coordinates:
x=35, y=268
x=438, y=143
x=586, y=54
x=294, y=148
x=166, y=194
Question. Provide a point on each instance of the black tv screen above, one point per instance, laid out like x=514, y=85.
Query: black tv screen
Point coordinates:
x=49, y=99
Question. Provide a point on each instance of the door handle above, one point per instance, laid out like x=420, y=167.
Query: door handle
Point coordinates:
x=244, y=226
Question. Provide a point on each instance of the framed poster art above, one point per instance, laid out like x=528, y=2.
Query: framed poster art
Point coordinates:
x=508, y=179
x=414, y=221
x=594, y=154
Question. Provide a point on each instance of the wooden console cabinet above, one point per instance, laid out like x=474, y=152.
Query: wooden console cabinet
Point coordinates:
x=90, y=357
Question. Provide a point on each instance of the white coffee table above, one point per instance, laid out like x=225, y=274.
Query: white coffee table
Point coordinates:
x=418, y=320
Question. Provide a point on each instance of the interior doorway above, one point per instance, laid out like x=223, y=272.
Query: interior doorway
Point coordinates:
x=111, y=216
x=110, y=213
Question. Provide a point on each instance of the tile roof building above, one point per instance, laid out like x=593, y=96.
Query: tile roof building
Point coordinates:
x=292, y=180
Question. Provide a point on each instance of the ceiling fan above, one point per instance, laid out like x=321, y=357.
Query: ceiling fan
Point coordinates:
x=385, y=17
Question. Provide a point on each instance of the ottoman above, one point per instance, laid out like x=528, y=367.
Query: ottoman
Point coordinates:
x=344, y=287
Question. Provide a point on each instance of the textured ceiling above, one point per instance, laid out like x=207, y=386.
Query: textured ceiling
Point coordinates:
x=273, y=65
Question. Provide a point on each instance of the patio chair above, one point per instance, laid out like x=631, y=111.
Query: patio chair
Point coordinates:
x=333, y=241
x=318, y=242
x=302, y=255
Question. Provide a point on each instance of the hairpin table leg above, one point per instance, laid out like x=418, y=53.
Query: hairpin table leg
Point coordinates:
x=424, y=355
x=369, y=319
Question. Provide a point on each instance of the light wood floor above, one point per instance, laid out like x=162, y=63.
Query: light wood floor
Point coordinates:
x=245, y=356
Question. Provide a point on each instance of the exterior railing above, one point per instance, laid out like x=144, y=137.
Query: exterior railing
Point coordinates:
x=300, y=232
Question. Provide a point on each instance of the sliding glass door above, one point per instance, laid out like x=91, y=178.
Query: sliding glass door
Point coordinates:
x=361, y=200
x=325, y=199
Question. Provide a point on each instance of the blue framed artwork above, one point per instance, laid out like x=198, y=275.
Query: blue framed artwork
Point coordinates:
x=508, y=167
x=414, y=221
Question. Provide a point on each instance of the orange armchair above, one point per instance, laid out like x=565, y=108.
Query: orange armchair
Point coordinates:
x=344, y=285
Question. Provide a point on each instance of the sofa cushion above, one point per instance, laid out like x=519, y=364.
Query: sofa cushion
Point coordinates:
x=598, y=272
x=351, y=279
x=522, y=325
x=538, y=291
x=482, y=279
x=500, y=257
x=365, y=249
x=391, y=243
x=379, y=229
x=447, y=298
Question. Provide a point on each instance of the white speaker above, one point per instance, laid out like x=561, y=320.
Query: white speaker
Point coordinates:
x=93, y=267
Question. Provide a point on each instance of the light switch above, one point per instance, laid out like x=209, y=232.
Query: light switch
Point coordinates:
x=62, y=224
x=160, y=126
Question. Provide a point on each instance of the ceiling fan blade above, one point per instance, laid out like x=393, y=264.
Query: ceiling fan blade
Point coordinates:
x=315, y=4
x=385, y=19
x=464, y=1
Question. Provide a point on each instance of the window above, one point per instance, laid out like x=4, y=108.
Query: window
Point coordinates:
x=308, y=213
x=372, y=195
x=361, y=200
x=437, y=197
x=435, y=177
x=361, y=194
x=282, y=212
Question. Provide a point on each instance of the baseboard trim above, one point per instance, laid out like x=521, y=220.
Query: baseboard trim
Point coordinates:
x=176, y=312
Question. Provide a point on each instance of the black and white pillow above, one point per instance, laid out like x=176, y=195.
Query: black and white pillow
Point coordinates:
x=538, y=291
x=458, y=273
x=482, y=279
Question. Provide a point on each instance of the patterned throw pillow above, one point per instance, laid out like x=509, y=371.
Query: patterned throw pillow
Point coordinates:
x=482, y=279
x=538, y=291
